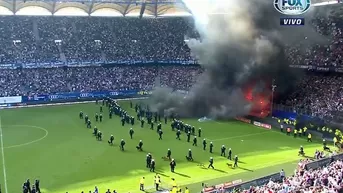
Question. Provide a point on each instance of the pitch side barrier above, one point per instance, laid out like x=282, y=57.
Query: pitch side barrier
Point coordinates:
x=66, y=103
x=68, y=98
x=253, y=122
x=240, y=185
x=323, y=162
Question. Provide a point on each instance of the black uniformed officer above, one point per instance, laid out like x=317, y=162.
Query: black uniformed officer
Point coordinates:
x=95, y=131
x=140, y=145
x=160, y=133
x=172, y=165
x=142, y=123
x=195, y=141
x=152, y=166
x=169, y=154
x=211, y=163
x=199, y=132
x=131, y=132
x=100, y=117
x=122, y=144
x=190, y=156
x=188, y=136
x=229, y=154
x=236, y=161
x=178, y=133
x=204, y=143
x=96, y=117
x=99, y=136
x=148, y=160
x=211, y=147
x=223, y=149
x=111, y=140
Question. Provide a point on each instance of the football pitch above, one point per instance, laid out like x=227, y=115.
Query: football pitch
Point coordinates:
x=52, y=144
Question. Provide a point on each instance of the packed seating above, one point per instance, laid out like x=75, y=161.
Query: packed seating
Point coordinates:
x=324, y=54
x=92, y=39
x=84, y=79
x=325, y=179
x=321, y=95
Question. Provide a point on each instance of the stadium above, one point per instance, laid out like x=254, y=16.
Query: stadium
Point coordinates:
x=167, y=80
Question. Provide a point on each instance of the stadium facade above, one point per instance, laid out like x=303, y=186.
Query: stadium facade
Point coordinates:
x=146, y=8
x=140, y=8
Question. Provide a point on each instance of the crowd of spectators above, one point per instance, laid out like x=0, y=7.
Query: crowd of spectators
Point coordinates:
x=85, y=79
x=93, y=39
x=324, y=179
x=317, y=94
x=323, y=54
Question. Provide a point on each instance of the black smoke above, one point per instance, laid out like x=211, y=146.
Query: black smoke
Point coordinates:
x=240, y=41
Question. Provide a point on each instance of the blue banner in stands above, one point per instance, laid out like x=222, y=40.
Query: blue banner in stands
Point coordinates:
x=82, y=95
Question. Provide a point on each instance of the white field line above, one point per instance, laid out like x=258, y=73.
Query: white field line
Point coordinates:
x=30, y=142
x=3, y=158
x=239, y=136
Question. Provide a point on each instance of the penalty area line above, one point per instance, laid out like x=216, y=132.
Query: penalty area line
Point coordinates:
x=3, y=158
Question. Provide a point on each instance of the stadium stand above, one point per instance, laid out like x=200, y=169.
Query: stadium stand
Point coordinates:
x=75, y=40
x=85, y=79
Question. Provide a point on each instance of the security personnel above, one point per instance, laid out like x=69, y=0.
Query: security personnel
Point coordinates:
x=236, y=161
x=100, y=117
x=295, y=133
x=152, y=165
x=300, y=133
x=186, y=190
x=211, y=147
x=157, y=183
x=199, y=132
x=223, y=149
x=141, y=184
x=111, y=140
x=195, y=140
x=204, y=143
x=309, y=137
x=211, y=163
x=335, y=141
x=172, y=165
x=178, y=133
x=169, y=154
x=160, y=133
x=148, y=160
x=305, y=130
x=174, y=183
x=122, y=144
x=188, y=136
x=95, y=131
x=131, y=132
x=190, y=155
x=140, y=145
x=229, y=154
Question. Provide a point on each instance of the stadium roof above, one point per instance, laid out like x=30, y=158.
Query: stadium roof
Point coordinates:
x=120, y=7
x=124, y=7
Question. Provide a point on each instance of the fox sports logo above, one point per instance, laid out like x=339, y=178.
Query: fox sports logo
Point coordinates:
x=292, y=7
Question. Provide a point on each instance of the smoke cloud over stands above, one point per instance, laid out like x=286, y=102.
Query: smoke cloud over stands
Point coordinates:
x=239, y=41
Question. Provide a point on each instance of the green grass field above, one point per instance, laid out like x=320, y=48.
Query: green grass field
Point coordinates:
x=54, y=145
